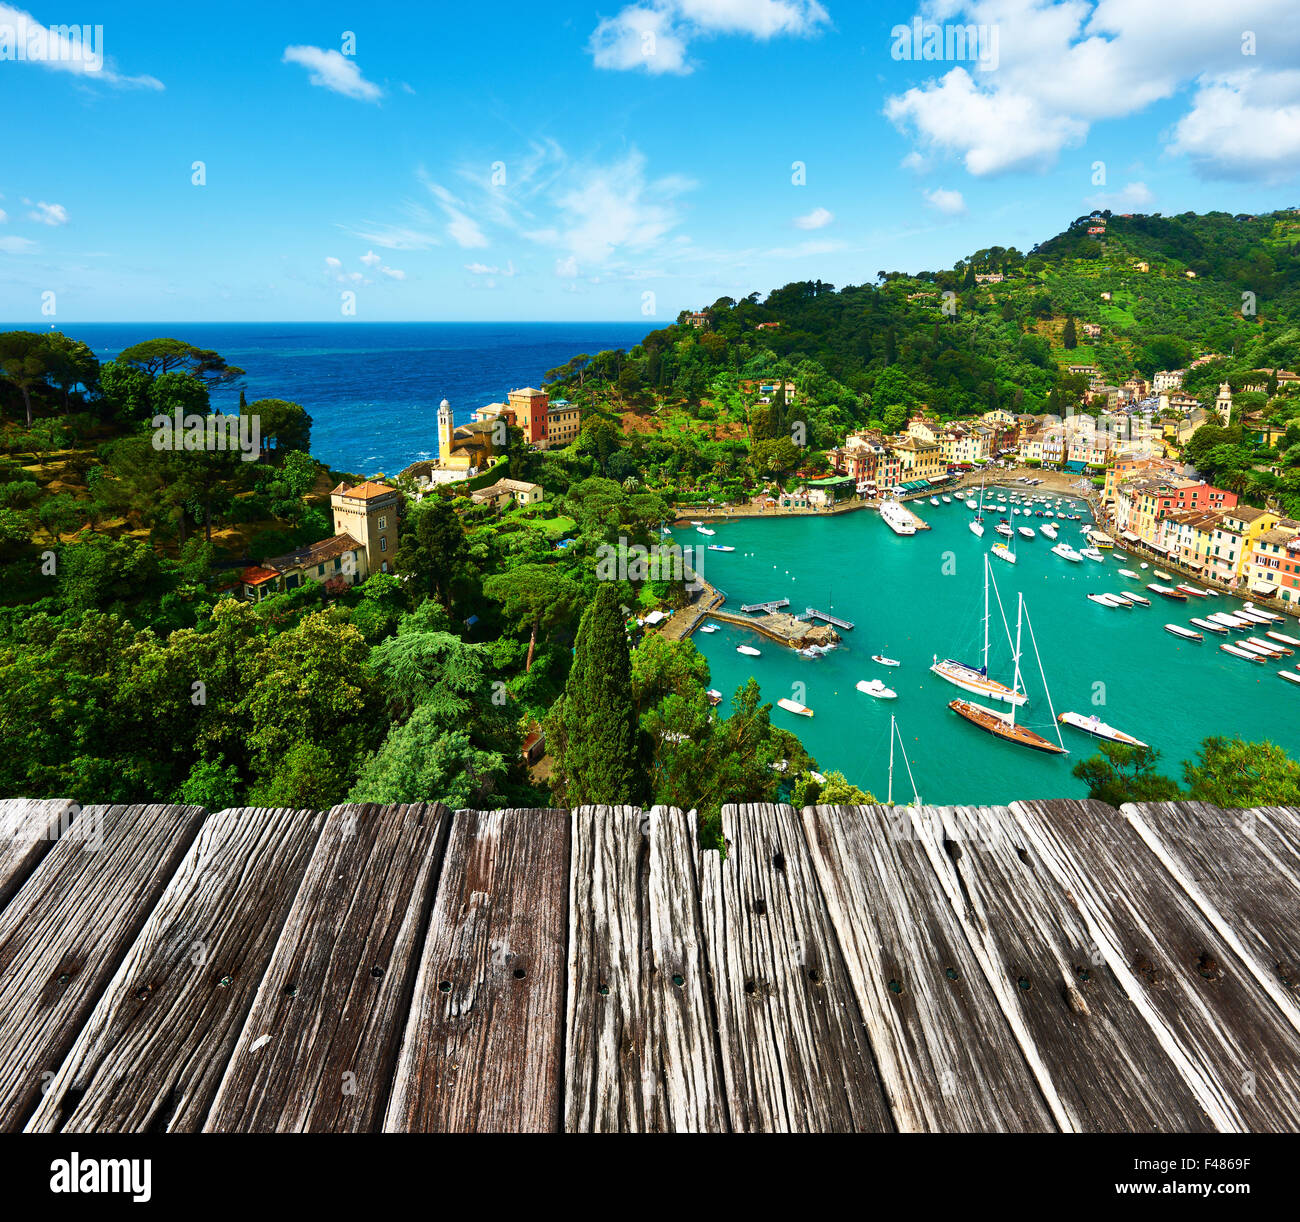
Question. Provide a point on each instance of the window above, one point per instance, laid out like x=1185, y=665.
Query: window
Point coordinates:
x=383, y=568
x=320, y=570
x=383, y=545
x=383, y=523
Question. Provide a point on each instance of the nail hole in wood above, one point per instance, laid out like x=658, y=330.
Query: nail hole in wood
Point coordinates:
x=951, y=973
x=815, y=976
x=225, y=982
x=778, y=862
x=291, y=990
x=143, y=994
x=444, y=987
x=1206, y=966
x=895, y=987
x=1023, y=982
x=519, y=973
x=760, y=907
x=1023, y=854
x=603, y=990
x=678, y=981
x=750, y=988
x=377, y=972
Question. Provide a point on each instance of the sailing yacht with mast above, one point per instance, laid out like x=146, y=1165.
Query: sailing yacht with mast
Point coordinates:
x=977, y=525
x=895, y=733
x=976, y=679
x=1003, y=725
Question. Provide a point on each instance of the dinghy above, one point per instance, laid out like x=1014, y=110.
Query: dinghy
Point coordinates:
x=749, y=651
x=1099, y=729
x=793, y=706
x=884, y=661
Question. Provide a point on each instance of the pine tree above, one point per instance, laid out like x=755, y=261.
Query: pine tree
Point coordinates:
x=593, y=731
x=1070, y=339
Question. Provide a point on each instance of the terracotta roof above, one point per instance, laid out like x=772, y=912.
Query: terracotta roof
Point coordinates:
x=316, y=553
x=369, y=491
x=255, y=576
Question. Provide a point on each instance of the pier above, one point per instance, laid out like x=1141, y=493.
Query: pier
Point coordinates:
x=813, y=613
x=775, y=605
x=785, y=629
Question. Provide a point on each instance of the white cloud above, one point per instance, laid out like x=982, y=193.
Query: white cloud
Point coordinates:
x=49, y=214
x=333, y=263
x=567, y=269
x=65, y=49
x=656, y=36
x=393, y=237
x=393, y=273
x=1062, y=67
x=1132, y=197
x=1244, y=125
x=482, y=269
x=16, y=246
x=950, y=203
x=370, y=259
x=818, y=218
x=333, y=71
x=4, y=216
x=461, y=228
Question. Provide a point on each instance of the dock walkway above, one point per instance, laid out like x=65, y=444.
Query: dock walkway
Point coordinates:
x=1041, y=966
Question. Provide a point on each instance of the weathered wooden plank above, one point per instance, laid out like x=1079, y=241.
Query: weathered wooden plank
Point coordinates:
x=1098, y=1064
x=689, y=1095
x=482, y=1050
x=28, y=829
x=946, y=1055
x=1244, y=875
x=318, y=1049
x=63, y=936
x=639, y=1048
x=795, y=1056
x=156, y=1045
x=1230, y=1041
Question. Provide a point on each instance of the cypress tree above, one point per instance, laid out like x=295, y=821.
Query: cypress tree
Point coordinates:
x=597, y=739
x=1070, y=338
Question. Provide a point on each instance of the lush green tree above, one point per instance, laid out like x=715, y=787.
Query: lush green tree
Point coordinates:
x=432, y=546
x=283, y=426
x=1125, y=774
x=69, y=363
x=125, y=391
x=1236, y=774
x=24, y=362
x=422, y=761
x=536, y=598
x=160, y=356
x=592, y=731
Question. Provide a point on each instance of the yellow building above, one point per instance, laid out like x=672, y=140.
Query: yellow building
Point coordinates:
x=369, y=513
x=918, y=459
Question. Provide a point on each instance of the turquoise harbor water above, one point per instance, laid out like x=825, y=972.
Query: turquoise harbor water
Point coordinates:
x=911, y=598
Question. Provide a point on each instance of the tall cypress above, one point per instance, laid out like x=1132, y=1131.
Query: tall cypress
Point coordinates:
x=598, y=739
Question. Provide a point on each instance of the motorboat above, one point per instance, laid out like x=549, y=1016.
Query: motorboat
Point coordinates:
x=1099, y=729
x=1282, y=639
x=1194, y=591
x=704, y=530
x=793, y=706
x=1167, y=592
x=1027, y=532
x=1285, y=650
x=1092, y=553
x=718, y=547
x=1049, y=531
x=1066, y=552
x=749, y=651
x=1289, y=676
x=1004, y=530
x=874, y=687
x=1163, y=575
x=1139, y=600
x=884, y=661
x=1241, y=653
x=1186, y=633
x=1130, y=573
x=1210, y=626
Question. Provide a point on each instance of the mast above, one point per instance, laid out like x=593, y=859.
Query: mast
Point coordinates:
x=889, y=801
x=1015, y=683
x=986, y=615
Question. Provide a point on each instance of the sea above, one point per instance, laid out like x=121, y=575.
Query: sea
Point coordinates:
x=912, y=598
x=373, y=389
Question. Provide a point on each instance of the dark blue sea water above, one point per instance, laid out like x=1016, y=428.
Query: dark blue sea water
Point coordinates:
x=373, y=389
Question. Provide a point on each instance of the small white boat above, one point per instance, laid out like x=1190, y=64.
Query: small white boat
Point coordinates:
x=695, y=523
x=1144, y=565
x=1282, y=639
x=1130, y=573
x=1027, y=532
x=749, y=651
x=708, y=629
x=1194, y=591
x=1285, y=650
x=1259, y=650
x=1229, y=621
x=1268, y=615
x=1167, y=592
x=1210, y=626
x=1092, y=553
x=1252, y=617
x=1289, y=676
x=934, y=500
x=714, y=696
x=884, y=661
x=874, y=687
x=704, y=530
x=1163, y=576
x=1186, y=633
x=1066, y=552
x=1048, y=530
x=977, y=529
x=947, y=500
x=793, y=706
x=971, y=504
x=1004, y=530
x=1003, y=552
x=1139, y=600
x=718, y=547
x=1016, y=512
x=1241, y=653
x=1099, y=729
x=1106, y=600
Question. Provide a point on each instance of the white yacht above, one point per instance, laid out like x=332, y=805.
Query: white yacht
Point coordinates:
x=897, y=518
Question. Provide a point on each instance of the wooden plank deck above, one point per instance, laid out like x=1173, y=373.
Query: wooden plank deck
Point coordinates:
x=337, y=991
x=483, y=1047
x=795, y=1055
x=153, y=1051
x=1229, y=1039
x=1039, y=966
x=65, y=933
x=917, y=980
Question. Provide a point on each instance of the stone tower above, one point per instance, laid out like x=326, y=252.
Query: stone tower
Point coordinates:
x=1223, y=404
x=446, y=432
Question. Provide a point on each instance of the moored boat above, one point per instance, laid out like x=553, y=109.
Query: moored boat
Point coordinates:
x=1048, y=530
x=897, y=518
x=874, y=687
x=884, y=661
x=1092, y=553
x=1194, y=591
x=1106, y=600
x=1099, y=729
x=1167, y=592
x=1211, y=626
x=1289, y=676
x=1229, y=621
x=1027, y=532
x=1186, y=633
x=1284, y=650
x=977, y=528
x=714, y=696
x=704, y=530
x=749, y=651
x=793, y=706
x=1066, y=552
x=1130, y=573
x=1138, y=600
x=1241, y=653
x=1282, y=639
x=718, y=547
x=1163, y=575
x=1002, y=726
x=707, y=629
x=1003, y=552
x=1004, y=530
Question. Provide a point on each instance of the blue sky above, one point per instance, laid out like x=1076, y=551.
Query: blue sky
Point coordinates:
x=508, y=160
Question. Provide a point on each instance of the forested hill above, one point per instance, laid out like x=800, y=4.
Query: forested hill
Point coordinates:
x=961, y=344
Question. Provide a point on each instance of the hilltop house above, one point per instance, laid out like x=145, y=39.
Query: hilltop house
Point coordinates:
x=369, y=512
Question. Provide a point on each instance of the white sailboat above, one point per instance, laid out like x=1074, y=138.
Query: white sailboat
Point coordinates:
x=976, y=679
x=977, y=524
